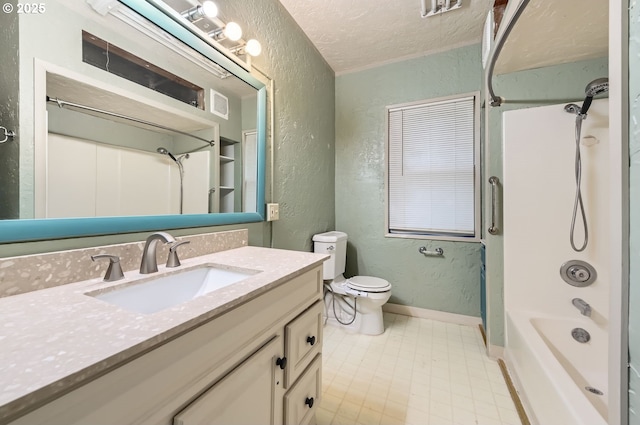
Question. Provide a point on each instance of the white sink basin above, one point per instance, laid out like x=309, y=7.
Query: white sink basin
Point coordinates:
x=167, y=291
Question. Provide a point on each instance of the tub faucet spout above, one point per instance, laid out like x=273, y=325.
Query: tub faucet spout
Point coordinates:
x=585, y=309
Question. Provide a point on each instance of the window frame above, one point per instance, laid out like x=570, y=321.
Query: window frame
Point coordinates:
x=476, y=172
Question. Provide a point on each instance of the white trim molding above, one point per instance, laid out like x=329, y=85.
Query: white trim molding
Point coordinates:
x=442, y=316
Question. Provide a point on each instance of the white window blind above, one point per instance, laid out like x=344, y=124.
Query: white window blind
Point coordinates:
x=431, y=168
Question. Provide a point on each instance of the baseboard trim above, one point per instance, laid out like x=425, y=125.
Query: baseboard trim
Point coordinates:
x=423, y=313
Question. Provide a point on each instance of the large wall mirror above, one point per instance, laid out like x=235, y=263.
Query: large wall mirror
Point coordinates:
x=128, y=118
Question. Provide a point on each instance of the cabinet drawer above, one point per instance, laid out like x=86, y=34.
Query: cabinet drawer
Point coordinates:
x=302, y=399
x=303, y=340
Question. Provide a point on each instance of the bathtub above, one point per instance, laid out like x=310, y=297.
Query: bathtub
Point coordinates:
x=551, y=370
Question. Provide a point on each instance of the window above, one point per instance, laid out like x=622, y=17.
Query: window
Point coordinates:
x=432, y=169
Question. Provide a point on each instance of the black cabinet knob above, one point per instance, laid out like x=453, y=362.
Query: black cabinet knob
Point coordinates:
x=282, y=362
x=309, y=402
x=311, y=340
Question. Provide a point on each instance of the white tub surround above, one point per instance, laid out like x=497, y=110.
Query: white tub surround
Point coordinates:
x=57, y=339
x=554, y=373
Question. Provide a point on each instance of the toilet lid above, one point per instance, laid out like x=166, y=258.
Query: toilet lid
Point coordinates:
x=368, y=284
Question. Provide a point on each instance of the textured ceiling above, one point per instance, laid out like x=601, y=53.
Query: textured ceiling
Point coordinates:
x=580, y=31
x=357, y=34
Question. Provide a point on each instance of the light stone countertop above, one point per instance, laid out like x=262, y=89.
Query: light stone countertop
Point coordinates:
x=56, y=339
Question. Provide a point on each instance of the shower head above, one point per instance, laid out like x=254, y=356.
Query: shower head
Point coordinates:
x=594, y=88
x=164, y=151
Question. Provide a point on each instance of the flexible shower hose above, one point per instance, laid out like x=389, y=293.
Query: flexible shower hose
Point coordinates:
x=578, y=200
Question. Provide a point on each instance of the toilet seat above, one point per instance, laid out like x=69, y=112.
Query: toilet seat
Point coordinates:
x=368, y=284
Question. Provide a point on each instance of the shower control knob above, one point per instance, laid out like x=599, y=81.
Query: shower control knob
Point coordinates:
x=580, y=274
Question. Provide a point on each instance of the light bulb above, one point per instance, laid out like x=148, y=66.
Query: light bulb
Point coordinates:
x=253, y=47
x=233, y=31
x=209, y=9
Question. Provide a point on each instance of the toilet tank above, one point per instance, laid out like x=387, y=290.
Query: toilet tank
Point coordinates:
x=334, y=244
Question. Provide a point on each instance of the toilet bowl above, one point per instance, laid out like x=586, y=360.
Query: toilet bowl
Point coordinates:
x=354, y=303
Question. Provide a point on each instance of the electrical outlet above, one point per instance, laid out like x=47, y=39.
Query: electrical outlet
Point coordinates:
x=273, y=212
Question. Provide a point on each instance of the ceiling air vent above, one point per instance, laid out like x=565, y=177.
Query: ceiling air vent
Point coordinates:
x=219, y=104
x=436, y=7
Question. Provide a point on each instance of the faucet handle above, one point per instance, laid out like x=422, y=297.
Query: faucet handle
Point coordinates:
x=173, y=260
x=114, y=271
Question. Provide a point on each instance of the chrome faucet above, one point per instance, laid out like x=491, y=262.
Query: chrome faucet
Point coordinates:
x=585, y=309
x=149, y=262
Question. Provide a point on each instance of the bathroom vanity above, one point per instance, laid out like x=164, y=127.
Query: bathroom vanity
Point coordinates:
x=249, y=353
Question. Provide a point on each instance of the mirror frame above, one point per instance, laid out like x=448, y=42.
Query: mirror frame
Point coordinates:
x=25, y=230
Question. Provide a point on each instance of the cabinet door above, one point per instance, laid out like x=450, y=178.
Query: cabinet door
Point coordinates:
x=244, y=397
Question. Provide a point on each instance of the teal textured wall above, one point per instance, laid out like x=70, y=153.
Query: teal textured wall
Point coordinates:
x=304, y=151
x=450, y=284
x=9, y=93
x=524, y=89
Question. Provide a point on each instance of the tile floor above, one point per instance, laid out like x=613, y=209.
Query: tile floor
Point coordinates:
x=419, y=372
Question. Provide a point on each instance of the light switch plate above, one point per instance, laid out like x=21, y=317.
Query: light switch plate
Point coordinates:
x=273, y=212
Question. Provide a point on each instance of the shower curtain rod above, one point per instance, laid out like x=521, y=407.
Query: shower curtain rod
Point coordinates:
x=497, y=100
x=62, y=103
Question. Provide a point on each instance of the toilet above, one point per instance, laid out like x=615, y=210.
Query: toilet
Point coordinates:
x=368, y=294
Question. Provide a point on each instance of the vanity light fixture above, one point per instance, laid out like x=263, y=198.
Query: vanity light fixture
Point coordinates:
x=206, y=9
x=230, y=31
x=217, y=34
x=251, y=48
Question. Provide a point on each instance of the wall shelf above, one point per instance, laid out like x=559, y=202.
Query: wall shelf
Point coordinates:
x=226, y=160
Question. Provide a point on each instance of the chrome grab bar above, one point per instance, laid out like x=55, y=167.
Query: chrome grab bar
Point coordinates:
x=494, y=182
x=438, y=252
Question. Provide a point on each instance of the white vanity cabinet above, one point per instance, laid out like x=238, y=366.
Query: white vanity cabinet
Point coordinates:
x=228, y=371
